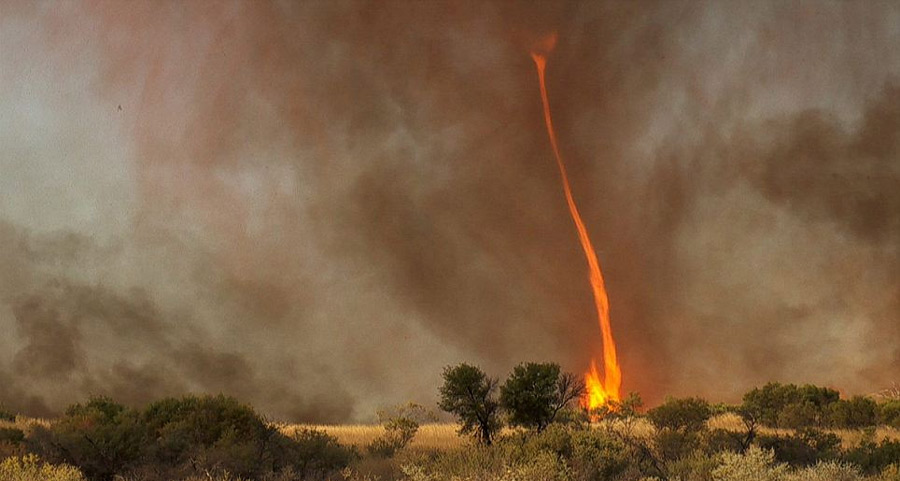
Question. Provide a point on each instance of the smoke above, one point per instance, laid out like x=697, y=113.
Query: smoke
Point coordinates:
x=316, y=206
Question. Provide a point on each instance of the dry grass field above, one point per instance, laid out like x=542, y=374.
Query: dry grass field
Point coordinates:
x=429, y=436
x=438, y=453
x=25, y=423
x=849, y=437
x=442, y=436
x=439, y=436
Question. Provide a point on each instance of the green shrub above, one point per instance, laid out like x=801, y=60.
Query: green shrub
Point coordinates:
x=313, y=454
x=11, y=436
x=178, y=438
x=799, y=414
x=820, y=397
x=804, y=448
x=473, y=461
x=787, y=405
x=685, y=415
x=720, y=440
x=486, y=464
x=100, y=437
x=6, y=415
x=220, y=434
x=207, y=433
x=598, y=455
x=521, y=445
x=696, y=466
x=754, y=465
x=889, y=413
x=590, y=453
x=872, y=457
x=559, y=452
x=672, y=445
x=401, y=423
x=385, y=446
x=31, y=468
x=767, y=402
x=857, y=412
x=826, y=471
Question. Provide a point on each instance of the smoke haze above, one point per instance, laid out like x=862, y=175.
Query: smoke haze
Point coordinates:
x=315, y=206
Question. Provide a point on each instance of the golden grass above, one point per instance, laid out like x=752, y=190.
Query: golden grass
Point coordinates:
x=849, y=437
x=429, y=436
x=443, y=436
x=25, y=423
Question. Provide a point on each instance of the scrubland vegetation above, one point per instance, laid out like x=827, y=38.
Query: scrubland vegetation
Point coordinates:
x=529, y=428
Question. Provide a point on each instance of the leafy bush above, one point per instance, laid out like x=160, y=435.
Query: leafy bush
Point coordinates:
x=220, y=434
x=11, y=443
x=693, y=467
x=401, y=424
x=208, y=434
x=787, y=405
x=804, y=448
x=719, y=440
x=6, y=415
x=826, y=471
x=313, y=454
x=559, y=452
x=766, y=403
x=177, y=438
x=31, y=468
x=685, y=415
x=679, y=423
x=672, y=445
x=469, y=462
x=596, y=455
x=11, y=436
x=800, y=414
x=100, y=437
x=591, y=453
x=889, y=413
x=857, y=412
x=754, y=465
x=872, y=457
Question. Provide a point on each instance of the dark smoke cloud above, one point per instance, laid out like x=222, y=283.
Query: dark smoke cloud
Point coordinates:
x=315, y=206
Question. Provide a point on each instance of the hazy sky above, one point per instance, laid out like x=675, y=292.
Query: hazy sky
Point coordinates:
x=315, y=206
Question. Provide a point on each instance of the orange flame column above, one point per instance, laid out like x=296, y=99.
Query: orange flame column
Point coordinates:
x=599, y=391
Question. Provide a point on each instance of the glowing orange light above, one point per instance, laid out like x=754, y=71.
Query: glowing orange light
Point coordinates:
x=599, y=391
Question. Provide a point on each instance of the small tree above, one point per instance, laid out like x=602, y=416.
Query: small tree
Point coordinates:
x=679, y=423
x=750, y=420
x=535, y=393
x=100, y=437
x=687, y=415
x=856, y=412
x=400, y=426
x=767, y=402
x=889, y=413
x=470, y=395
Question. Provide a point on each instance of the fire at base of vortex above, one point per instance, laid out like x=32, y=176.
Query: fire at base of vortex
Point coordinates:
x=600, y=391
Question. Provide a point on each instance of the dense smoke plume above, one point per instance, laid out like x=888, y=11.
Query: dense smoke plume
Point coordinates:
x=314, y=206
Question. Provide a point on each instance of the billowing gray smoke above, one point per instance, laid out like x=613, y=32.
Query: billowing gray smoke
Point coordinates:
x=314, y=206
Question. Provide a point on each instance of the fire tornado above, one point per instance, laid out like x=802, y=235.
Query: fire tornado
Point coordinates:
x=599, y=391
